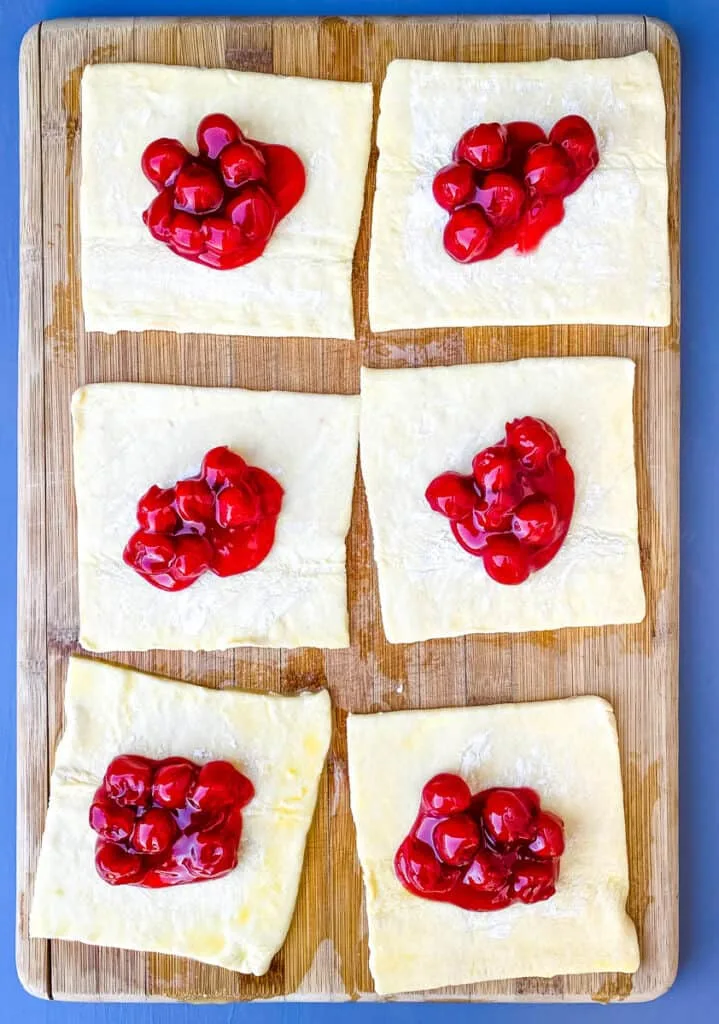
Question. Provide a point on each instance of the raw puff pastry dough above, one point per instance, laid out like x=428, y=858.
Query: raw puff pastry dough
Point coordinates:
x=130, y=436
x=567, y=750
x=239, y=921
x=302, y=284
x=607, y=262
x=437, y=419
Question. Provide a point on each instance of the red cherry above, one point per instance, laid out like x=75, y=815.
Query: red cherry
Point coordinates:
x=533, y=882
x=446, y=794
x=238, y=505
x=193, y=557
x=548, y=170
x=242, y=548
x=417, y=865
x=508, y=817
x=154, y=832
x=502, y=198
x=467, y=234
x=116, y=865
x=484, y=146
x=221, y=235
x=470, y=534
x=159, y=214
x=452, y=495
x=253, y=211
x=219, y=785
x=453, y=185
x=549, y=838
x=244, y=252
x=212, y=854
x=214, y=132
x=487, y=873
x=150, y=553
x=241, y=162
x=186, y=234
x=539, y=217
x=223, y=466
x=521, y=136
x=533, y=440
x=535, y=521
x=578, y=141
x=505, y=560
x=495, y=513
x=456, y=839
x=155, y=510
x=128, y=780
x=493, y=469
x=198, y=190
x=110, y=821
x=163, y=160
x=195, y=501
x=171, y=783
x=270, y=491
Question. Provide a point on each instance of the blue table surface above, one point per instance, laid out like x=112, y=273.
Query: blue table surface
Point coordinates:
x=697, y=984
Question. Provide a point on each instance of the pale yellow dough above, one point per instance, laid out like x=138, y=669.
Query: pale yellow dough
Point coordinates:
x=239, y=921
x=128, y=437
x=567, y=750
x=418, y=423
x=302, y=283
x=606, y=263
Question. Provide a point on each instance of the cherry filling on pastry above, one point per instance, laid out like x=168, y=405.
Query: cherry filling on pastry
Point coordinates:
x=169, y=822
x=514, y=509
x=221, y=206
x=480, y=851
x=507, y=184
x=222, y=520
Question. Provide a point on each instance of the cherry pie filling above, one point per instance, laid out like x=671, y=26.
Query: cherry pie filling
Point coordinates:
x=169, y=822
x=507, y=184
x=514, y=509
x=221, y=206
x=222, y=520
x=481, y=851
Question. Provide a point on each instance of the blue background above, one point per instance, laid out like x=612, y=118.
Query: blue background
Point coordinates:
x=697, y=987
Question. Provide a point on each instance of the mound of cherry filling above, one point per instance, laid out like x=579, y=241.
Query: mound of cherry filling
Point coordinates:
x=507, y=184
x=170, y=822
x=514, y=509
x=480, y=851
x=220, y=207
x=222, y=520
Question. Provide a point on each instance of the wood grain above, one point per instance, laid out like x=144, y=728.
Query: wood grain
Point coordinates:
x=325, y=956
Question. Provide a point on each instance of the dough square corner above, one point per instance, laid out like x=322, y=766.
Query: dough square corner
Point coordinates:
x=301, y=286
x=607, y=262
x=439, y=418
x=238, y=921
x=127, y=437
x=568, y=751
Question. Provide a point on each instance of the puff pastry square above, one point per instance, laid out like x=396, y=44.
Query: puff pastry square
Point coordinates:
x=565, y=749
x=417, y=423
x=302, y=283
x=239, y=921
x=130, y=436
x=607, y=262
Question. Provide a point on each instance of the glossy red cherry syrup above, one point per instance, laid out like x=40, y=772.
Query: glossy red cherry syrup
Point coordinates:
x=480, y=851
x=170, y=822
x=507, y=184
x=221, y=207
x=514, y=509
x=221, y=521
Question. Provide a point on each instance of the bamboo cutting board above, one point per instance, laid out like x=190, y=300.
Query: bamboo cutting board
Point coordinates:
x=325, y=956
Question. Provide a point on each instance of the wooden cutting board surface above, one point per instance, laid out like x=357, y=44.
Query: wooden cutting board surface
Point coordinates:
x=636, y=667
